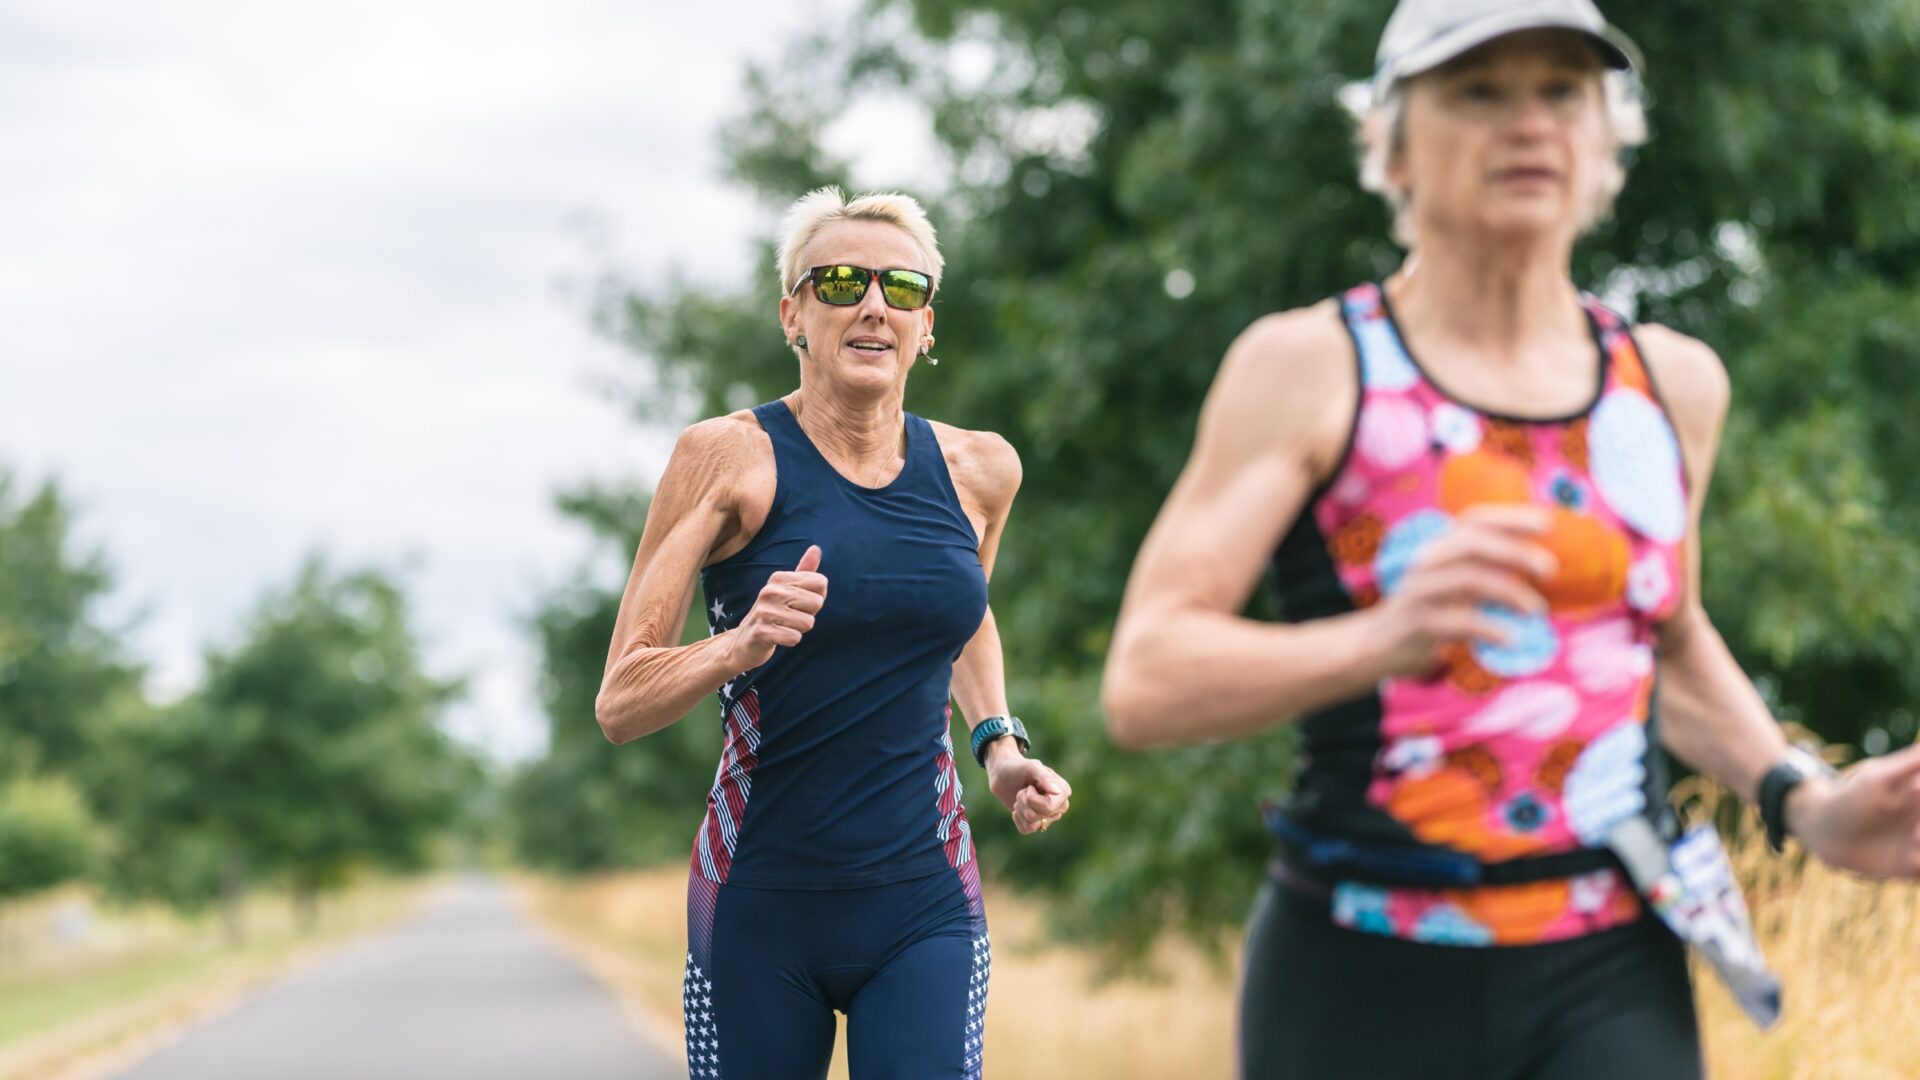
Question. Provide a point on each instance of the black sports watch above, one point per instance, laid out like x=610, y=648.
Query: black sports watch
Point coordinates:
x=1778, y=783
x=993, y=727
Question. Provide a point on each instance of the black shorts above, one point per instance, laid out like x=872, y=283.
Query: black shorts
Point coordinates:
x=1320, y=1002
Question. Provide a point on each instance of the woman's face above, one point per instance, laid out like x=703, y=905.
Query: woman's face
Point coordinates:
x=1508, y=139
x=865, y=347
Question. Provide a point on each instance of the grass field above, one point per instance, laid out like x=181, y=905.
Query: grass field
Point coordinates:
x=1848, y=952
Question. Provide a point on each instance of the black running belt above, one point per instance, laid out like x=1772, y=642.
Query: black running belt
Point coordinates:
x=1334, y=858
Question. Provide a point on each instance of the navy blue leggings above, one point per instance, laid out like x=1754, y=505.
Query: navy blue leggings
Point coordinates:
x=767, y=969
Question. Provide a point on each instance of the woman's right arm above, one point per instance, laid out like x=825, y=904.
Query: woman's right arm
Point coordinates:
x=1185, y=665
x=705, y=503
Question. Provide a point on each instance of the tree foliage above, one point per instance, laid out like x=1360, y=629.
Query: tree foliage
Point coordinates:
x=312, y=748
x=587, y=805
x=61, y=664
x=1130, y=184
x=63, y=670
x=47, y=837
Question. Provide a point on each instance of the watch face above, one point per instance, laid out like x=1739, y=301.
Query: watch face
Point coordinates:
x=1805, y=763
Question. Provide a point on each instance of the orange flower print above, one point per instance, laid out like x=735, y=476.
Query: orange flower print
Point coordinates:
x=1358, y=541
x=1479, y=763
x=1464, y=673
x=1573, y=444
x=1628, y=371
x=1483, y=476
x=1509, y=439
x=1591, y=561
x=1553, y=771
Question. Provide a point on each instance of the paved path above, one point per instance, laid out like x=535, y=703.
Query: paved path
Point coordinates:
x=465, y=989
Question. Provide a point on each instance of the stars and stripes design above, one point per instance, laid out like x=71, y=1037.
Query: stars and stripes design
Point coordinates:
x=956, y=836
x=703, y=1034
x=719, y=834
x=977, y=1007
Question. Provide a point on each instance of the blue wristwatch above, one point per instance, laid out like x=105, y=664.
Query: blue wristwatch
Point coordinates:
x=992, y=728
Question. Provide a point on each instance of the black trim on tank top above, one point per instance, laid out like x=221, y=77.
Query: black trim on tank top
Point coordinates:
x=1359, y=405
x=1660, y=399
x=1342, y=739
x=906, y=456
x=1303, y=536
x=1602, y=364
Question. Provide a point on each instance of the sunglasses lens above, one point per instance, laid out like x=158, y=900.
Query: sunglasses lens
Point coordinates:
x=905, y=289
x=840, y=285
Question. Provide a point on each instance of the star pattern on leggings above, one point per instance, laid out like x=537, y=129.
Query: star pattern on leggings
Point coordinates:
x=977, y=1007
x=703, y=1035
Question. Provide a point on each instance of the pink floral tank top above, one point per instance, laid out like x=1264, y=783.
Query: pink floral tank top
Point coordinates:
x=1533, y=747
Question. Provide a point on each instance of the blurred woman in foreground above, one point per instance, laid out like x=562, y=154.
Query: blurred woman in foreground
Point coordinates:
x=1479, y=492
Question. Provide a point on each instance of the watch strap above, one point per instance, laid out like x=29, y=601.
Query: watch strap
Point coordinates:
x=1778, y=783
x=993, y=727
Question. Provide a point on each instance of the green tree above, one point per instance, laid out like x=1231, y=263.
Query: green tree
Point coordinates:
x=47, y=837
x=1133, y=183
x=311, y=749
x=60, y=663
x=63, y=673
x=587, y=805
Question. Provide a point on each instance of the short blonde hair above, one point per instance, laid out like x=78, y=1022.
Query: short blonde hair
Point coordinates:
x=818, y=209
x=1383, y=130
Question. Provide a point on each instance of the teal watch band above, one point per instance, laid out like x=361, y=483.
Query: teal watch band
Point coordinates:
x=994, y=727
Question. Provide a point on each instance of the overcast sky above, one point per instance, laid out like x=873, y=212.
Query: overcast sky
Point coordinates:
x=278, y=278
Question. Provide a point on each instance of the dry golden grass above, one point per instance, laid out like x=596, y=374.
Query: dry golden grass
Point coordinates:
x=1048, y=1017
x=1848, y=952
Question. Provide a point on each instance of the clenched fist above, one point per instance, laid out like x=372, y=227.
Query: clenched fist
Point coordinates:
x=782, y=613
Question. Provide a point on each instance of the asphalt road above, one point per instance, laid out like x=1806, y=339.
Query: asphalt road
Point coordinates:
x=465, y=989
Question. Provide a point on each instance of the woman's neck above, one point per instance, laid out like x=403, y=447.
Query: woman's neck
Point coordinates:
x=1499, y=300
x=865, y=436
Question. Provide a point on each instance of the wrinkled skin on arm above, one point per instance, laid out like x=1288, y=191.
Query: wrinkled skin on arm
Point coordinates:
x=713, y=497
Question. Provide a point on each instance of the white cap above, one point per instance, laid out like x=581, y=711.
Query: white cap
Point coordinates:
x=1423, y=34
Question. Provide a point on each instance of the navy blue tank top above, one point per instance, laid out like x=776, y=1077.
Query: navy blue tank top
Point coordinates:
x=837, y=770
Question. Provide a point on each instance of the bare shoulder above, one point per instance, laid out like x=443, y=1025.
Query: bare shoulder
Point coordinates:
x=721, y=449
x=983, y=464
x=723, y=464
x=1689, y=375
x=1288, y=383
x=1286, y=339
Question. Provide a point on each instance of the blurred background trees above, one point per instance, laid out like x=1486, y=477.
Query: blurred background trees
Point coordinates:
x=310, y=751
x=62, y=675
x=1121, y=188
x=1125, y=186
x=586, y=805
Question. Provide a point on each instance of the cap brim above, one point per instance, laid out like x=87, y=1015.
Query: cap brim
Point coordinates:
x=1615, y=48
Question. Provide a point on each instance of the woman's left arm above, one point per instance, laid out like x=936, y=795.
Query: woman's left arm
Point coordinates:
x=986, y=471
x=1868, y=819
